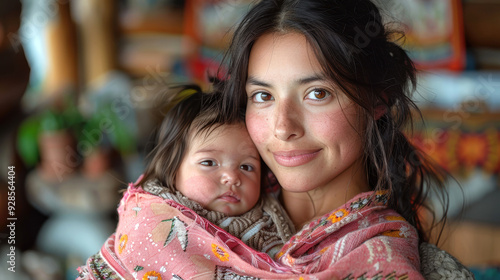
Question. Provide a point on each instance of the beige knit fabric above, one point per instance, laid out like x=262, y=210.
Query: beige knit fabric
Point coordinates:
x=437, y=264
x=266, y=227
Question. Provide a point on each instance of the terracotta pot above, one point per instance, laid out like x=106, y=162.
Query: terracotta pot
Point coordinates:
x=58, y=157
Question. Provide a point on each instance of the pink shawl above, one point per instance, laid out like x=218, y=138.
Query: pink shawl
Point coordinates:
x=161, y=239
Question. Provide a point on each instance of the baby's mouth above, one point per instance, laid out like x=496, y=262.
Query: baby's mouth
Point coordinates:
x=230, y=197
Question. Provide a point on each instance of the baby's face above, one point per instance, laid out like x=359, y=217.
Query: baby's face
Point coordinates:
x=221, y=171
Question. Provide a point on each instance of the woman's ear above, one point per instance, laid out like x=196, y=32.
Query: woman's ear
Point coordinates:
x=380, y=110
x=381, y=107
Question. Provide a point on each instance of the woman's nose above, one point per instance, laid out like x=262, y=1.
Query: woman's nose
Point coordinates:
x=230, y=178
x=287, y=124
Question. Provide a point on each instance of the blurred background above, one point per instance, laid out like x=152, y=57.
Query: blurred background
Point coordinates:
x=83, y=85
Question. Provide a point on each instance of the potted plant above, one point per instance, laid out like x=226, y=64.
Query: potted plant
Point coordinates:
x=47, y=139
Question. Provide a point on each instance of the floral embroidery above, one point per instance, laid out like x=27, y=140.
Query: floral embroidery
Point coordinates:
x=338, y=215
x=392, y=233
x=123, y=243
x=378, y=276
x=178, y=228
x=381, y=197
x=364, y=223
x=394, y=218
x=223, y=273
x=220, y=253
x=151, y=275
x=290, y=260
x=136, y=209
x=138, y=268
x=99, y=269
x=405, y=231
x=362, y=202
x=278, y=255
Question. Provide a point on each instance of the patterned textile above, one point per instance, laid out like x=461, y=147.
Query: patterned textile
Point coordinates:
x=158, y=239
x=439, y=265
x=266, y=227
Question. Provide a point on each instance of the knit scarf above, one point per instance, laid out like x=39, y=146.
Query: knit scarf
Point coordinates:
x=266, y=227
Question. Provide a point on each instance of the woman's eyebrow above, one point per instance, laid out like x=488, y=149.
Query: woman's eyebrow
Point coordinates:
x=302, y=81
x=255, y=82
x=310, y=79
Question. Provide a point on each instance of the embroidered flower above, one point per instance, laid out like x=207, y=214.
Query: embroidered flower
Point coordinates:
x=322, y=251
x=381, y=197
x=279, y=255
x=404, y=231
x=289, y=260
x=364, y=223
x=220, y=253
x=392, y=233
x=338, y=215
x=122, y=243
x=362, y=202
x=136, y=209
x=151, y=275
x=394, y=218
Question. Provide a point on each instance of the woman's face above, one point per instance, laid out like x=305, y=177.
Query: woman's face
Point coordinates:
x=305, y=128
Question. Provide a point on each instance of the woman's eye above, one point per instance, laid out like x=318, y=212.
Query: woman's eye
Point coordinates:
x=262, y=97
x=208, y=163
x=246, y=167
x=318, y=94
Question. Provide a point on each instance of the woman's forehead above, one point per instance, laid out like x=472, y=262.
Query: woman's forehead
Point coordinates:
x=283, y=54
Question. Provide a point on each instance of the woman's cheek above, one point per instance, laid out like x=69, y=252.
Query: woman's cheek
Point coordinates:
x=257, y=128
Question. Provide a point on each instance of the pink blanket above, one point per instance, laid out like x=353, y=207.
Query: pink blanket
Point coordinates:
x=161, y=239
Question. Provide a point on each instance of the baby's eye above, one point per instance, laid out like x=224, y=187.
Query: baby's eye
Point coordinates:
x=247, y=167
x=318, y=94
x=260, y=97
x=208, y=162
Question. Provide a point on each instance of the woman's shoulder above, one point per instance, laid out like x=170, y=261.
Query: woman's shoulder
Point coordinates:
x=439, y=264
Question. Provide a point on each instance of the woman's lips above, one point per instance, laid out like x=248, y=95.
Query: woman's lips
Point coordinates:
x=295, y=157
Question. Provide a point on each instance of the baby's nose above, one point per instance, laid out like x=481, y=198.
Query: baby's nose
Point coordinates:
x=230, y=178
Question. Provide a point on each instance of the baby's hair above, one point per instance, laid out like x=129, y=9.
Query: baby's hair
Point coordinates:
x=192, y=111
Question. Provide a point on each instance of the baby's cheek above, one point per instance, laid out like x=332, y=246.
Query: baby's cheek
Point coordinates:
x=199, y=188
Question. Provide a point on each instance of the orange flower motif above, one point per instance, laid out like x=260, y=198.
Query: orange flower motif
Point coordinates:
x=123, y=243
x=322, y=251
x=151, y=275
x=279, y=255
x=338, y=215
x=394, y=218
x=220, y=253
x=392, y=233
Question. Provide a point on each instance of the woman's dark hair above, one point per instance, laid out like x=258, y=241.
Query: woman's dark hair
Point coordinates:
x=193, y=111
x=358, y=53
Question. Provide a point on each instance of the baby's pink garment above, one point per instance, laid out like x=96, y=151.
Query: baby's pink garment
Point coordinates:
x=161, y=239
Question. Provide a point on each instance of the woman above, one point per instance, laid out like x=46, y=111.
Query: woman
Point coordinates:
x=326, y=95
x=327, y=98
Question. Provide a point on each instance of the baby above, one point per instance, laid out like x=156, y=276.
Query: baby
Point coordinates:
x=213, y=167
